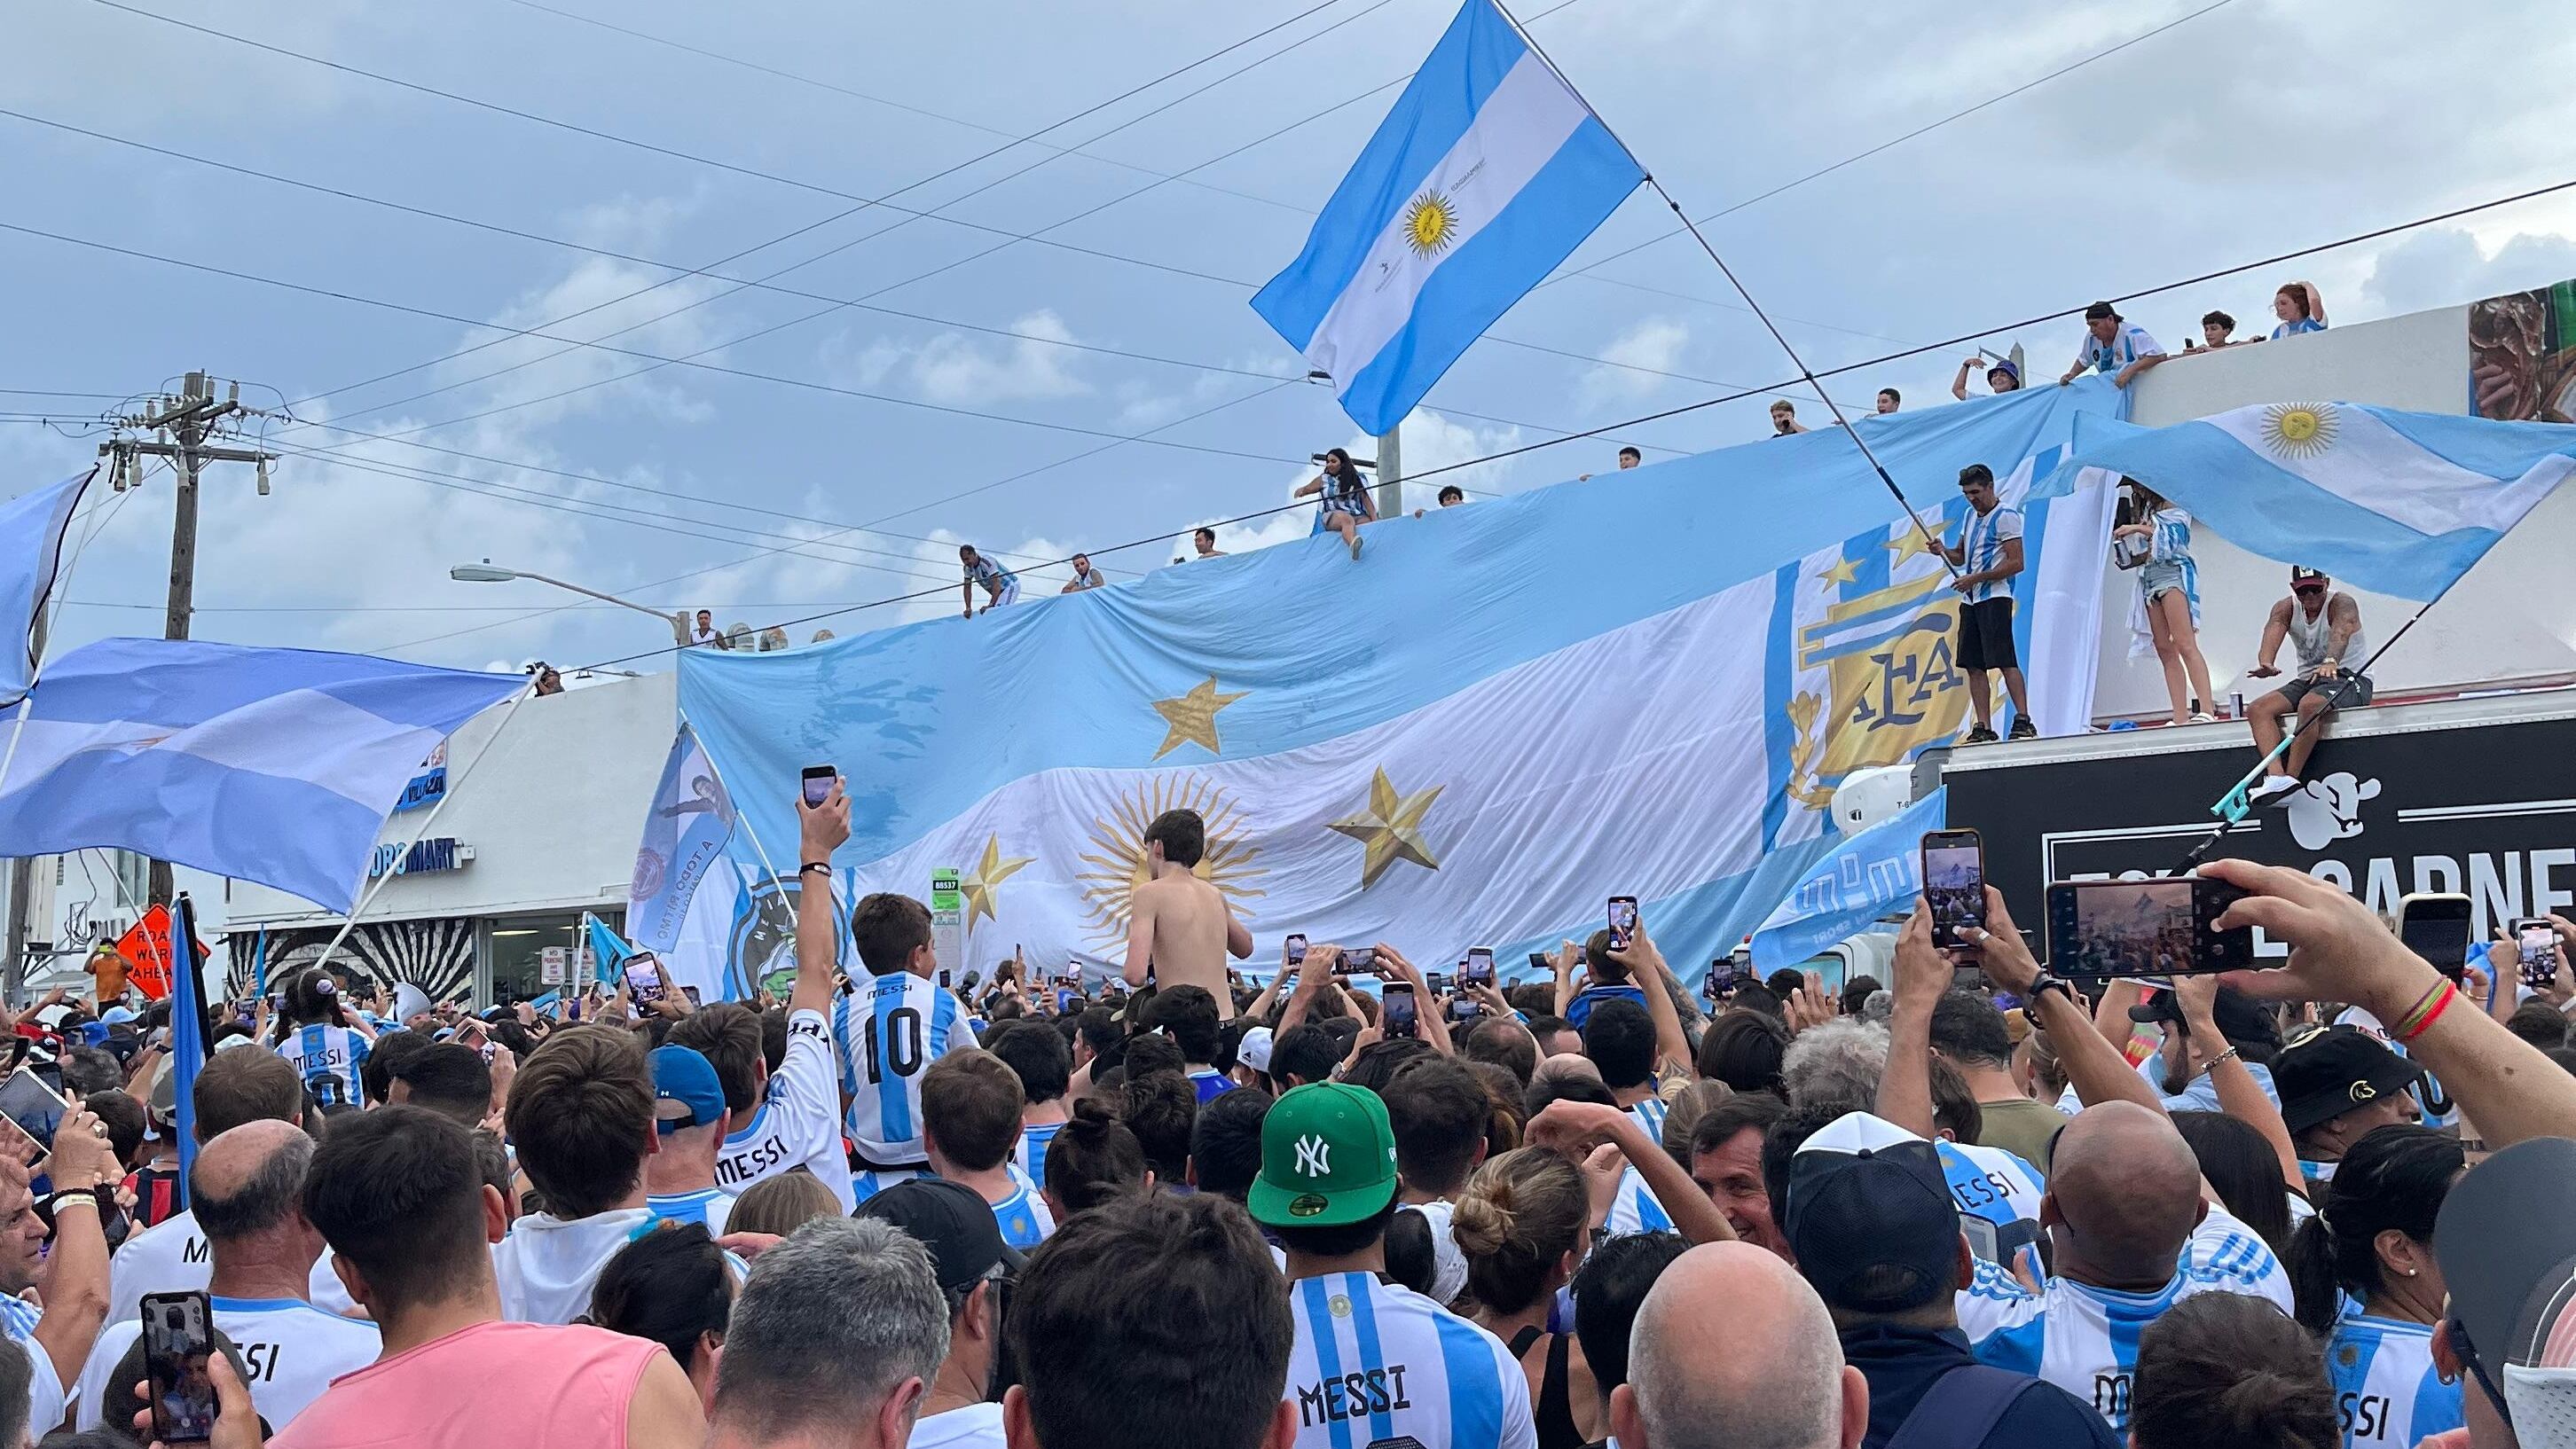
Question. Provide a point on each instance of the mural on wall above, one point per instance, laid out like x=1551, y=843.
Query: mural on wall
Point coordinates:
x=2522, y=355
x=436, y=955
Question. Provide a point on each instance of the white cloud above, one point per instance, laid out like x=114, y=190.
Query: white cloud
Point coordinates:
x=959, y=369
x=2441, y=266
x=1654, y=343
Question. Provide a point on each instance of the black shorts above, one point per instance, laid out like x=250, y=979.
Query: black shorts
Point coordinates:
x=1985, y=635
x=2353, y=697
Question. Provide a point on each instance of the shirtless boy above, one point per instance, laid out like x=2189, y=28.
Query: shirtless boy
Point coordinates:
x=1180, y=931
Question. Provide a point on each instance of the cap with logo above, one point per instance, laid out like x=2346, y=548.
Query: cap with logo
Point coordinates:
x=1871, y=1218
x=684, y=1076
x=2300, y=574
x=954, y=1222
x=1254, y=1050
x=2326, y=1071
x=1327, y=1158
x=2507, y=1248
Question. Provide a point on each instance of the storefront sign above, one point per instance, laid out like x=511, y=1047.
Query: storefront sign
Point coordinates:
x=551, y=965
x=440, y=852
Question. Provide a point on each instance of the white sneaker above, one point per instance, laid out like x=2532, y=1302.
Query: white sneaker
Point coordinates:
x=2204, y=717
x=2273, y=789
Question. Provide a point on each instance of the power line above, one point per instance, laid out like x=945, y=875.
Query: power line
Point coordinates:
x=2275, y=260
x=1822, y=171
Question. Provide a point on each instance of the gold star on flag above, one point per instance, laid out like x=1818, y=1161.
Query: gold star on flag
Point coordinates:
x=1191, y=719
x=1391, y=830
x=1912, y=543
x=989, y=874
x=1843, y=571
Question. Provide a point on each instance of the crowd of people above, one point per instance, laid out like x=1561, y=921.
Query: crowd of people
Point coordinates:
x=1349, y=1203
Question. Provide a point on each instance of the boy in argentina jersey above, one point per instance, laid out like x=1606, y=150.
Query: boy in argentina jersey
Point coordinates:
x=1373, y=1363
x=325, y=1052
x=2132, y=1236
x=970, y=1114
x=2386, y=1388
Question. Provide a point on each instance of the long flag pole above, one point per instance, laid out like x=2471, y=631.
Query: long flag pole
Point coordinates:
x=1806, y=373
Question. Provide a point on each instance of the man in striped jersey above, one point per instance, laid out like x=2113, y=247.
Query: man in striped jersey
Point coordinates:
x=890, y=1029
x=689, y=1116
x=1987, y=556
x=1372, y=1362
x=1037, y=1053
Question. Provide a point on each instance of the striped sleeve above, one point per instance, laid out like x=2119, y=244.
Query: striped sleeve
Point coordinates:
x=2226, y=1254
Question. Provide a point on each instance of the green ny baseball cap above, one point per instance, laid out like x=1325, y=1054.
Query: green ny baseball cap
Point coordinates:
x=1327, y=1158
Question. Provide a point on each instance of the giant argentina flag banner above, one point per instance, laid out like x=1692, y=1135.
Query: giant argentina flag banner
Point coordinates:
x=1647, y=684
x=2396, y=502
x=1488, y=172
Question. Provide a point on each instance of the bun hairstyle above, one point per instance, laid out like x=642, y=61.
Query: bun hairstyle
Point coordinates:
x=311, y=995
x=2394, y=1179
x=2223, y=1369
x=1517, y=1219
x=1093, y=1159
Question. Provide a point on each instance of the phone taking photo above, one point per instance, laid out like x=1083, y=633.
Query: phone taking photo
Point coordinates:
x=33, y=1107
x=1296, y=950
x=2538, y=941
x=1623, y=921
x=1399, y=1014
x=1479, y=970
x=1359, y=960
x=2099, y=929
x=1438, y=982
x=2435, y=925
x=644, y=979
x=178, y=1351
x=818, y=784
x=1954, y=883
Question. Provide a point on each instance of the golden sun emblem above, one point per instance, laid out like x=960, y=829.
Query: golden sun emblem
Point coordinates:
x=1430, y=224
x=1117, y=854
x=2299, y=430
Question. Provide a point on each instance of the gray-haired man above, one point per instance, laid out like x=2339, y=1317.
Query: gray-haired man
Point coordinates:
x=833, y=1342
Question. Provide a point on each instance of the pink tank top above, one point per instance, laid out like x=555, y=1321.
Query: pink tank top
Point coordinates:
x=524, y=1384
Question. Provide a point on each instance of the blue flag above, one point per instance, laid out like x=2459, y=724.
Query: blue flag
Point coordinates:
x=607, y=953
x=1489, y=171
x=187, y=1033
x=685, y=831
x=1874, y=874
x=2396, y=502
x=272, y=765
x=31, y=547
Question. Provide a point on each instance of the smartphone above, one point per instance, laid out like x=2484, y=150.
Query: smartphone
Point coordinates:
x=818, y=784
x=944, y=980
x=644, y=979
x=32, y=1107
x=1398, y=1014
x=2539, y=941
x=178, y=1346
x=1296, y=949
x=1623, y=921
x=1360, y=960
x=1539, y=963
x=1438, y=983
x=1721, y=981
x=691, y=992
x=1064, y=1000
x=2435, y=926
x=1465, y=1009
x=2098, y=929
x=1954, y=881
x=1479, y=970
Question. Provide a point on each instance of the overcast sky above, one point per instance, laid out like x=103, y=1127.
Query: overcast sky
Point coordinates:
x=2255, y=128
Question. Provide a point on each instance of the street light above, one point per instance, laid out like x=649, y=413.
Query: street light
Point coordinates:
x=488, y=572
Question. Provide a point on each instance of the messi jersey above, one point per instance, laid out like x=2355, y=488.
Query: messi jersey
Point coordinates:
x=326, y=1058
x=1024, y=1218
x=1033, y=1145
x=1375, y=1364
x=2386, y=1389
x=292, y=1349
x=1650, y=1114
x=1999, y=1189
x=2085, y=1339
x=708, y=1207
x=1636, y=1209
x=888, y=1033
x=798, y=1124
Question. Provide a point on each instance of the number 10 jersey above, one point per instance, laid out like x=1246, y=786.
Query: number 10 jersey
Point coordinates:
x=887, y=1034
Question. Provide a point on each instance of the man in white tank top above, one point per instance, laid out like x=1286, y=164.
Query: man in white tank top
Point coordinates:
x=2325, y=628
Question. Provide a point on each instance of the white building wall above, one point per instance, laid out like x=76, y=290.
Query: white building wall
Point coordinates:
x=2512, y=618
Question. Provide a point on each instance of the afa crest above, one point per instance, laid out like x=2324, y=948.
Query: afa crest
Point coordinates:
x=1889, y=682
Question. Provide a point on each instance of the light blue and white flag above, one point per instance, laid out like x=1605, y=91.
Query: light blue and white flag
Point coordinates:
x=32, y=526
x=2395, y=502
x=685, y=831
x=1671, y=731
x=272, y=765
x=1876, y=873
x=1487, y=173
x=607, y=952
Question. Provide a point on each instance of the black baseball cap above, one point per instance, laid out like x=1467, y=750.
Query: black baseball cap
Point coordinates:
x=2507, y=1247
x=1865, y=1197
x=954, y=1222
x=2327, y=1071
x=2100, y=310
x=2241, y=1018
x=2301, y=574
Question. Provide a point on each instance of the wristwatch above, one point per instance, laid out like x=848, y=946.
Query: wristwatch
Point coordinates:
x=2040, y=987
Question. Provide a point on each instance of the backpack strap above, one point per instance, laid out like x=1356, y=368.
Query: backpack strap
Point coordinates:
x=1961, y=1408
x=1522, y=1340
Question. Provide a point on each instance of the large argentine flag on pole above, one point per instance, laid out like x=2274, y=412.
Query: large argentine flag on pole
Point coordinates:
x=274, y=765
x=1487, y=173
x=2395, y=502
x=31, y=549
x=1549, y=740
